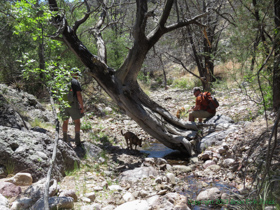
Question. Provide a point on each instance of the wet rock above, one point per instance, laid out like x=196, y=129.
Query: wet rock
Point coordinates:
x=209, y=194
x=9, y=190
x=54, y=203
x=21, y=179
x=134, y=205
x=69, y=193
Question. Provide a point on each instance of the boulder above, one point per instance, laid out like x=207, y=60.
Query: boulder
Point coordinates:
x=31, y=152
x=21, y=179
x=9, y=190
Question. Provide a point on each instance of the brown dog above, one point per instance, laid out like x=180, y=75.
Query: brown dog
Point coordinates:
x=132, y=139
x=179, y=112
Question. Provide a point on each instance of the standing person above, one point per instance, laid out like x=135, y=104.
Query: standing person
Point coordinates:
x=201, y=108
x=76, y=109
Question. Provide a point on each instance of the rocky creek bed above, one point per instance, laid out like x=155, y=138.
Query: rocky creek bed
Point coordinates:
x=113, y=177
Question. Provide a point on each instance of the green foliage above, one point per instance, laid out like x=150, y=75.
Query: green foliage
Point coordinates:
x=186, y=83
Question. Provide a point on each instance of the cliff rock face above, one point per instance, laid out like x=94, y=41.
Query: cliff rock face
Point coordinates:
x=26, y=149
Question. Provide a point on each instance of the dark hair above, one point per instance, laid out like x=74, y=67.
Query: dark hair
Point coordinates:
x=196, y=89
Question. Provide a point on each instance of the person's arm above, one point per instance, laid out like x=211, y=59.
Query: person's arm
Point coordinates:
x=80, y=99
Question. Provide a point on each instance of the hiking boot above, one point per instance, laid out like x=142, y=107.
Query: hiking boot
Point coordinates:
x=66, y=140
x=65, y=137
x=77, y=139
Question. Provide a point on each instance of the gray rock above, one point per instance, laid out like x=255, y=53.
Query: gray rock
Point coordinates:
x=9, y=190
x=27, y=151
x=182, y=168
x=209, y=194
x=220, y=119
x=55, y=203
x=69, y=193
x=3, y=203
x=137, y=173
x=37, y=190
x=92, y=151
x=216, y=138
x=22, y=203
x=134, y=205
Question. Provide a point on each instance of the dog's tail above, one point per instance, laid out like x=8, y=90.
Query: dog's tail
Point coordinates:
x=122, y=133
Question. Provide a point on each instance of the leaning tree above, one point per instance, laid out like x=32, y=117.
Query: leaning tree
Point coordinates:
x=121, y=84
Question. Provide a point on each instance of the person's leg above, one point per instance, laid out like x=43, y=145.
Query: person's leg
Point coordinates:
x=77, y=132
x=191, y=117
x=65, y=129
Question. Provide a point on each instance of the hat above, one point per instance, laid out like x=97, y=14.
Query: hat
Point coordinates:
x=196, y=89
x=75, y=70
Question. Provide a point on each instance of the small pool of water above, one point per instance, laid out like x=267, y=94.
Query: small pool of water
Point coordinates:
x=193, y=184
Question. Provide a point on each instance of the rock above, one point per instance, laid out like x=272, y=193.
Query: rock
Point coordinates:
x=91, y=196
x=85, y=200
x=95, y=206
x=22, y=203
x=213, y=167
x=69, y=193
x=37, y=190
x=4, y=203
x=220, y=119
x=22, y=151
x=208, y=163
x=21, y=179
x=54, y=203
x=181, y=207
x=109, y=207
x=137, y=173
x=20, y=101
x=134, y=205
x=9, y=190
x=216, y=138
x=182, y=168
x=209, y=194
x=115, y=188
x=171, y=178
x=128, y=197
x=92, y=150
x=205, y=155
x=228, y=162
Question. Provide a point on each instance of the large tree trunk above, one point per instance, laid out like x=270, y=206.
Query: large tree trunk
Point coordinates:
x=122, y=85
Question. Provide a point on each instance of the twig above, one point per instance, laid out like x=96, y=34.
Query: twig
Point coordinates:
x=47, y=185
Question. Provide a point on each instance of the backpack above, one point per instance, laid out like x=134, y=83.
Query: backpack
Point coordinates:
x=213, y=103
x=69, y=97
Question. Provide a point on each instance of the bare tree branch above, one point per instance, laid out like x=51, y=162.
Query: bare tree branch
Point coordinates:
x=81, y=21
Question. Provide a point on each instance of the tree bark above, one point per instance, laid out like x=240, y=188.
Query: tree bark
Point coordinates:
x=122, y=85
x=276, y=69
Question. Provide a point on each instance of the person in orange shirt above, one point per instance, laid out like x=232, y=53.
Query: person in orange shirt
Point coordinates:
x=201, y=108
